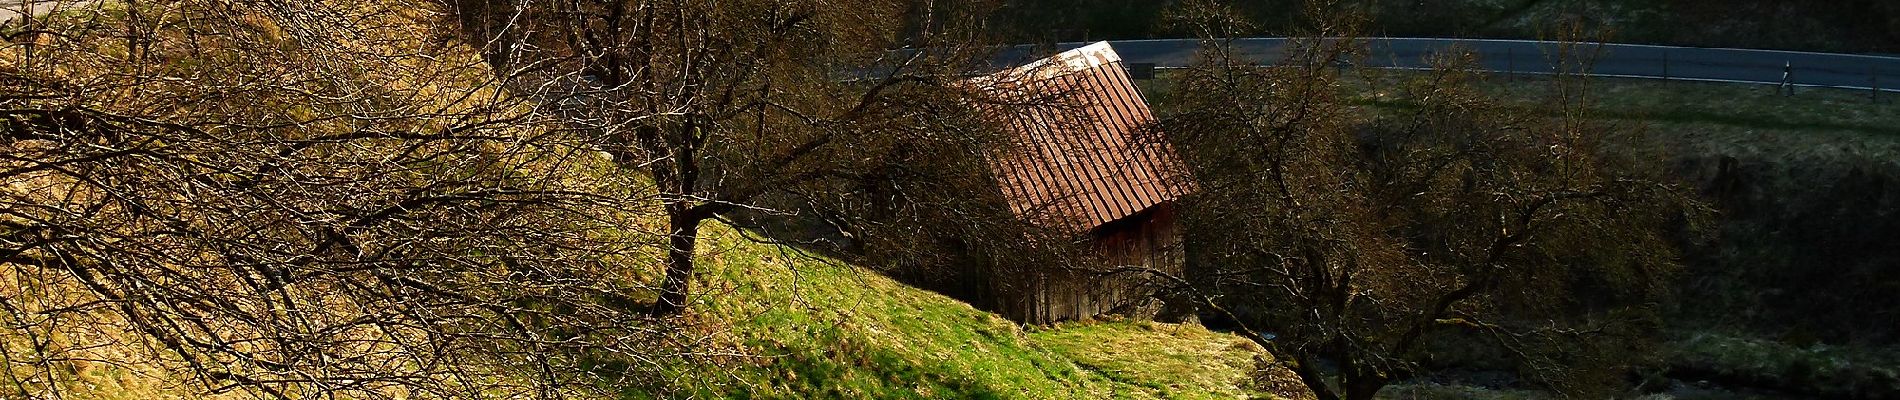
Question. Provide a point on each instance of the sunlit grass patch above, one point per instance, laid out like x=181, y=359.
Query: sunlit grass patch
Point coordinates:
x=1174, y=360
x=808, y=326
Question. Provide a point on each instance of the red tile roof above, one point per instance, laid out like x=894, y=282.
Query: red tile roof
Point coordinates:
x=1074, y=162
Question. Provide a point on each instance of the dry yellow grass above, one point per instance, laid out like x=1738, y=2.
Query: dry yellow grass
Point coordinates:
x=429, y=84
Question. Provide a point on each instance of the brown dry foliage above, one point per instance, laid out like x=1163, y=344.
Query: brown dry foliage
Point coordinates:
x=1371, y=241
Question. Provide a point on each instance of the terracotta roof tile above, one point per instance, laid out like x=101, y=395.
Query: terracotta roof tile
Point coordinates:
x=1074, y=162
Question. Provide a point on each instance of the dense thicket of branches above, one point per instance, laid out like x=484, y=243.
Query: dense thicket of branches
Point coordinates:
x=1347, y=241
x=722, y=103
x=298, y=199
x=307, y=199
x=311, y=198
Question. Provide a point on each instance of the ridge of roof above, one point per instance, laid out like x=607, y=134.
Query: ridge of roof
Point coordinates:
x=1074, y=60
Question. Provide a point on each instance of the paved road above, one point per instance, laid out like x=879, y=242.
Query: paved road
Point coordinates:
x=1616, y=60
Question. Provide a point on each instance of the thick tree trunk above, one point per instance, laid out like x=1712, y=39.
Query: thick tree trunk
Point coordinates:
x=1364, y=388
x=1355, y=381
x=1314, y=380
x=683, y=236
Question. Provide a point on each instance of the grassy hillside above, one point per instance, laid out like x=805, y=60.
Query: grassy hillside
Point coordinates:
x=812, y=327
x=768, y=323
x=789, y=326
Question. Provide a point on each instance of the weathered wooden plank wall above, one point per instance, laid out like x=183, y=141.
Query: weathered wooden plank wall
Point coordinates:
x=1152, y=239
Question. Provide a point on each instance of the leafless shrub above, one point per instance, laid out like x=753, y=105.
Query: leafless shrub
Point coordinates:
x=308, y=199
x=1337, y=235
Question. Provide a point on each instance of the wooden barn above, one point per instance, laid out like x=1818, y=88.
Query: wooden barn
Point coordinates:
x=1076, y=166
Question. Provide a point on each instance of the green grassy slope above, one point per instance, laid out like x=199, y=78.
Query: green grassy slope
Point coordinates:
x=816, y=328
x=1190, y=361
x=791, y=326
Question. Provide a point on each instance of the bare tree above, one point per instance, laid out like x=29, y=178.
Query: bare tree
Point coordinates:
x=1347, y=242
x=292, y=199
x=314, y=198
x=723, y=102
